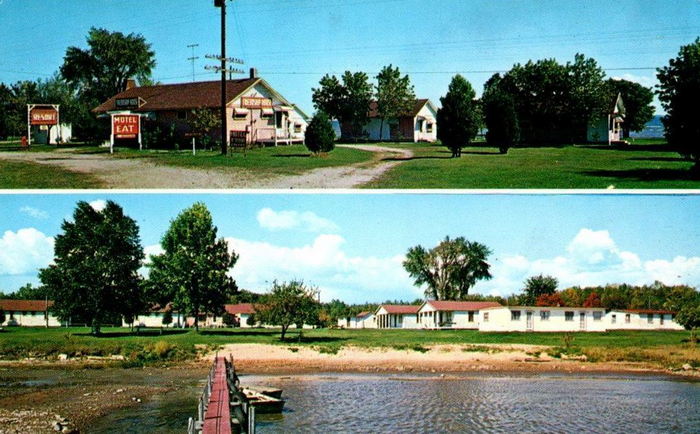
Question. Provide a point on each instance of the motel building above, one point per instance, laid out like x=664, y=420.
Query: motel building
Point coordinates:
x=418, y=125
x=242, y=312
x=256, y=114
x=543, y=319
x=154, y=318
x=363, y=320
x=452, y=314
x=396, y=316
x=642, y=319
x=28, y=313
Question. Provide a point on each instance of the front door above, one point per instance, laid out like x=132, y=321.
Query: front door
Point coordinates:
x=582, y=317
x=530, y=321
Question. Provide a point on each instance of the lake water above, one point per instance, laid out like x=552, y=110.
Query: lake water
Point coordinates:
x=490, y=403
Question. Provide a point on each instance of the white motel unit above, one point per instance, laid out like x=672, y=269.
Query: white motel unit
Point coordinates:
x=397, y=316
x=28, y=313
x=452, y=314
x=642, y=319
x=417, y=125
x=543, y=319
x=154, y=318
x=363, y=320
x=242, y=312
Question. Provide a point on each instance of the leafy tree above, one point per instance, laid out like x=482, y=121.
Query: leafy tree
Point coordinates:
x=637, y=100
x=245, y=296
x=679, y=93
x=587, y=96
x=203, y=121
x=336, y=309
x=251, y=320
x=593, y=300
x=289, y=303
x=29, y=292
x=320, y=136
x=192, y=273
x=395, y=95
x=95, y=270
x=536, y=286
x=348, y=102
x=167, y=317
x=2, y=316
x=457, y=119
x=549, y=300
x=449, y=269
x=228, y=319
x=689, y=318
x=500, y=117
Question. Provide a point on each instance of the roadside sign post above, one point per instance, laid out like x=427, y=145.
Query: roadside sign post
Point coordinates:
x=125, y=126
x=44, y=115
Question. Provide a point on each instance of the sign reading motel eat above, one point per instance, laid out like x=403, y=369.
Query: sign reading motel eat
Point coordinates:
x=43, y=116
x=126, y=126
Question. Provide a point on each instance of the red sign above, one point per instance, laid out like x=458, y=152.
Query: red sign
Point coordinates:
x=255, y=102
x=125, y=126
x=43, y=116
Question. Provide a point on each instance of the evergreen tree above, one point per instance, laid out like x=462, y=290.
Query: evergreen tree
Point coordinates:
x=457, y=119
x=320, y=136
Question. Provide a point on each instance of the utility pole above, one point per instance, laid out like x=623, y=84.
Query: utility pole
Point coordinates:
x=193, y=58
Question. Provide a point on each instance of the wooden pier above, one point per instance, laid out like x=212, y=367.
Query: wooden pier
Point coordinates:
x=223, y=408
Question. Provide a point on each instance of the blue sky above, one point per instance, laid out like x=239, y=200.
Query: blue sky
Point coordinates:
x=352, y=245
x=293, y=42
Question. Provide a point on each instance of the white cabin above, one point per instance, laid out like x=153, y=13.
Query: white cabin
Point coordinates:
x=452, y=314
x=397, y=316
x=28, y=313
x=543, y=319
x=642, y=319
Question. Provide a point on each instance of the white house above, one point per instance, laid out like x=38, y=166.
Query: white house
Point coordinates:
x=642, y=319
x=392, y=316
x=452, y=314
x=418, y=125
x=242, y=312
x=363, y=320
x=608, y=128
x=543, y=319
x=28, y=313
x=154, y=318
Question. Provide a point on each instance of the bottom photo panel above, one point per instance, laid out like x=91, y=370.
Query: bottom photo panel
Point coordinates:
x=379, y=312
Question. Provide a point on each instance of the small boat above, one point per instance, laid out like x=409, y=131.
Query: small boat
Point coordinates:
x=266, y=390
x=263, y=404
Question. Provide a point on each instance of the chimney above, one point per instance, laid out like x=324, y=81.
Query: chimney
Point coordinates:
x=253, y=73
x=130, y=83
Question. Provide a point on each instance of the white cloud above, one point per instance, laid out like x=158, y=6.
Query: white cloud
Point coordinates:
x=644, y=80
x=153, y=249
x=282, y=220
x=25, y=251
x=325, y=264
x=591, y=258
x=98, y=205
x=34, y=212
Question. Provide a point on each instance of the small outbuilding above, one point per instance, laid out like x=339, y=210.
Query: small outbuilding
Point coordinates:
x=242, y=312
x=363, y=320
x=608, y=128
x=154, y=318
x=417, y=125
x=397, y=316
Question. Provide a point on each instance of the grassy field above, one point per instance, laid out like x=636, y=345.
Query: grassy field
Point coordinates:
x=16, y=174
x=151, y=345
x=643, y=164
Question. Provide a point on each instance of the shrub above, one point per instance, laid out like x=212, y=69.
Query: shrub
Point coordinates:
x=320, y=136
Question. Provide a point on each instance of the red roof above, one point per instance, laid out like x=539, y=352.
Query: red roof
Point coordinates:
x=240, y=308
x=417, y=106
x=180, y=96
x=665, y=312
x=25, y=305
x=400, y=308
x=156, y=308
x=362, y=314
x=461, y=305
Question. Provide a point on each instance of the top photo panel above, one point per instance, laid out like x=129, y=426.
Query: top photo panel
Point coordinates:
x=350, y=94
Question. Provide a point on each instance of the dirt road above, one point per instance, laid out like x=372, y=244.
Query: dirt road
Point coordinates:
x=138, y=173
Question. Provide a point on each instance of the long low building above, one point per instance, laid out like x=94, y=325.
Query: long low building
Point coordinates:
x=28, y=313
x=452, y=314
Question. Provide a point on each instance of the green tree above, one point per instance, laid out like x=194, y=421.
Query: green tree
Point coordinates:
x=637, y=100
x=167, y=317
x=192, y=272
x=689, y=318
x=586, y=96
x=457, y=119
x=536, y=286
x=679, y=93
x=203, y=121
x=329, y=97
x=348, y=102
x=395, y=95
x=449, y=269
x=2, y=316
x=95, y=270
x=228, y=319
x=289, y=303
x=29, y=292
x=500, y=117
x=320, y=136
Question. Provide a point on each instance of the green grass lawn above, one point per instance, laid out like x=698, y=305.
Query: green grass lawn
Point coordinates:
x=643, y=164
x=16, y=174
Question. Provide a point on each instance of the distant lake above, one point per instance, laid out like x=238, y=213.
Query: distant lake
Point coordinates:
x=652, y=129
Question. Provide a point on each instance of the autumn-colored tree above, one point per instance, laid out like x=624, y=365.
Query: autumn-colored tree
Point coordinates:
x=593, y=300
x=549, y=300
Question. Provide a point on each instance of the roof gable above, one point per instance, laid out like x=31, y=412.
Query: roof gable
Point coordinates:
x=399, y=308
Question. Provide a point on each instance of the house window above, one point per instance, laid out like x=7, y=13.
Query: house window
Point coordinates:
x=515, y=315
x=420, y=124
x=627, y=318
x=597, y=316
x=297, y=128
x=650, y=318
x=568, y=316
x=613, y=319
x=471, y=316
x=544, y=315
x=279, y=116
x=182, y=115
x=661, y=319
x=429, y=127
x=486, y=317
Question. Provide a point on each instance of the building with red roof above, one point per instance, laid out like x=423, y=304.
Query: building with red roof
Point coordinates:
x=391, y=316
x=28, y=313
x=417, y=125
x=448, y=314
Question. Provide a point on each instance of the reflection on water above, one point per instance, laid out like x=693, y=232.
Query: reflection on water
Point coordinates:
x=399, y=403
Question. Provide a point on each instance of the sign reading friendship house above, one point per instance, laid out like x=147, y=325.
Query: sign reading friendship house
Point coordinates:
x=125, y=126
